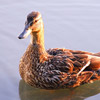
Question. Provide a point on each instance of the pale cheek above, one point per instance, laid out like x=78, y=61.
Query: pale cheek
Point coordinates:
x=36, y=27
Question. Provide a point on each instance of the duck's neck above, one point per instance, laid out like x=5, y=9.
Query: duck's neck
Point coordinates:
x=37, y=41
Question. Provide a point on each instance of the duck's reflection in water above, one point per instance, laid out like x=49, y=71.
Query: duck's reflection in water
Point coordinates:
x=80, y=93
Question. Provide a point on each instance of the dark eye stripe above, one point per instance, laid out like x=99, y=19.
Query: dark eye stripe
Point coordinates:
x=29, y=19
x=31, y=23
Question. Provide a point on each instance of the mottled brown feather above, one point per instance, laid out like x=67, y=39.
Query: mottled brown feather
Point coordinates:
x=55, y=68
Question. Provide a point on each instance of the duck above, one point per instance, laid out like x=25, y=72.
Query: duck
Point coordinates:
x=54, y=68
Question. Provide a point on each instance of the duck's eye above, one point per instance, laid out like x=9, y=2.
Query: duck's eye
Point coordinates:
x=35, y=21
x=29, y=19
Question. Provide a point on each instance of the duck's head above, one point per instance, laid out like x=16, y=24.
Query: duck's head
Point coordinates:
x=33, y=25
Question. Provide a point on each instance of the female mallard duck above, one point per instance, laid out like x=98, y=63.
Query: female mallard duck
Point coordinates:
x=54, y=68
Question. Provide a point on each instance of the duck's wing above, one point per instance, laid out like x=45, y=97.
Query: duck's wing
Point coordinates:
x=70, y=63
x=79, y=58
x=72, y=59
x=67, y=70
x=71, y=68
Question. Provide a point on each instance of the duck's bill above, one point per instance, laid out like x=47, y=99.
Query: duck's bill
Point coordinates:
x=25, y=33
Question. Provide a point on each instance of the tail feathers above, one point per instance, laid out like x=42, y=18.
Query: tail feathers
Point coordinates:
x=95, y=62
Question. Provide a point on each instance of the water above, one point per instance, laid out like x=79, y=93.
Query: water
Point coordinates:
x=72, y=24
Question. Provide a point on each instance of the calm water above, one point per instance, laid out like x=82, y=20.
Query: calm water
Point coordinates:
x=72, y=24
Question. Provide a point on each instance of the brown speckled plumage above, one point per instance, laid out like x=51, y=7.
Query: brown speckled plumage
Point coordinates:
x=54, y=68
